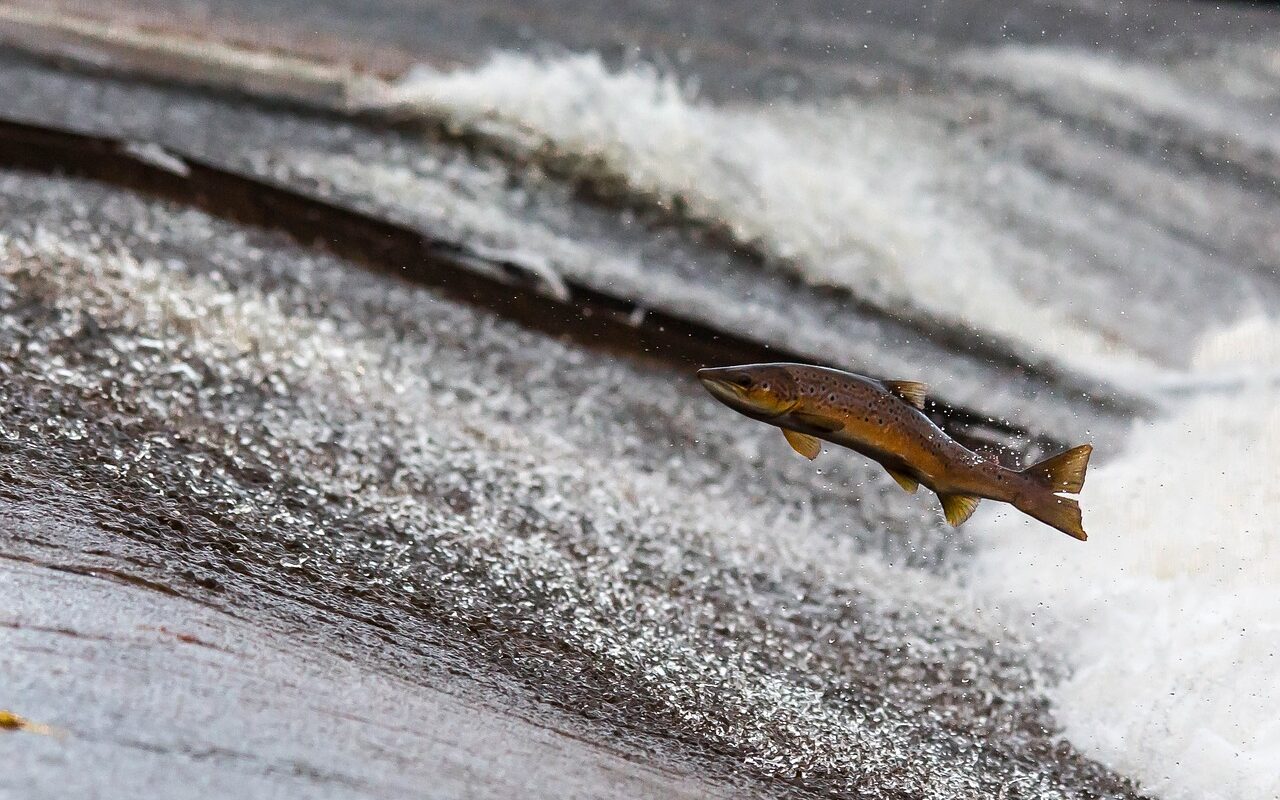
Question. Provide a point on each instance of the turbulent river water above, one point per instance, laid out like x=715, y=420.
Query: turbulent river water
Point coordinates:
x=1096, y=222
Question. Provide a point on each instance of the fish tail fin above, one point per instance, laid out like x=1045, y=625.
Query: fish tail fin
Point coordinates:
x=1056, y=511
x=1063, y=472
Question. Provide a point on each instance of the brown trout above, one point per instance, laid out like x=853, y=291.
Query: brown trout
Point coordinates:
x=884, y=421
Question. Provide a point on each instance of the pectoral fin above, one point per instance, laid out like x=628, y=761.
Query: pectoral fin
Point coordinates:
x=817, y=421
x=958, y=507
x=804, y=444
x=905, y=481
x=911, y=391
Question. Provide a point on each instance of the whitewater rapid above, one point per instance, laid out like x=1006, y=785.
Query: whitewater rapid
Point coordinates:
x=847, y=194
x=1166, y=619
x=903, y=199
x=1169, y=617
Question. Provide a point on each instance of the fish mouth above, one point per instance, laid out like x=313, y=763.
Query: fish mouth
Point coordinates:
x=720, y=389
x=734, y=396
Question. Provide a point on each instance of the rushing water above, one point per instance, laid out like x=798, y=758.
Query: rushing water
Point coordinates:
x=1045, y=238
x=620, y=543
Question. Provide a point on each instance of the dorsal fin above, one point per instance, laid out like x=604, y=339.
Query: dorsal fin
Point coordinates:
x=958, y=507
x=803, y=443
x=911, y=391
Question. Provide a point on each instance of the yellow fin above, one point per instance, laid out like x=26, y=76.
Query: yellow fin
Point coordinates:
x=958, y=507
x=817, y=421
x=1063, y=472
x=1062, y=513
x=905, y=481
x=804, y=444
x=10, y=721
x=911, y=391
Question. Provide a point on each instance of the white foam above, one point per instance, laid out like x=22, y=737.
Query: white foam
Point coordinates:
x=1252, y=343
x=1169, y=616
x=849, y=194
x=1217, y=93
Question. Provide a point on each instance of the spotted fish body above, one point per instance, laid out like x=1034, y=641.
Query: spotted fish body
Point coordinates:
x=883, y=421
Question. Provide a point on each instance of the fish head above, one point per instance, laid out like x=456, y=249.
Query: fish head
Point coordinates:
x=761, y=391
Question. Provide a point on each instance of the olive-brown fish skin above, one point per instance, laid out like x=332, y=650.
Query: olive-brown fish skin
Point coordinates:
x=865, y=415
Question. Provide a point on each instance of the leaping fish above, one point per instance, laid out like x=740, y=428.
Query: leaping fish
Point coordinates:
x=884, y=421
